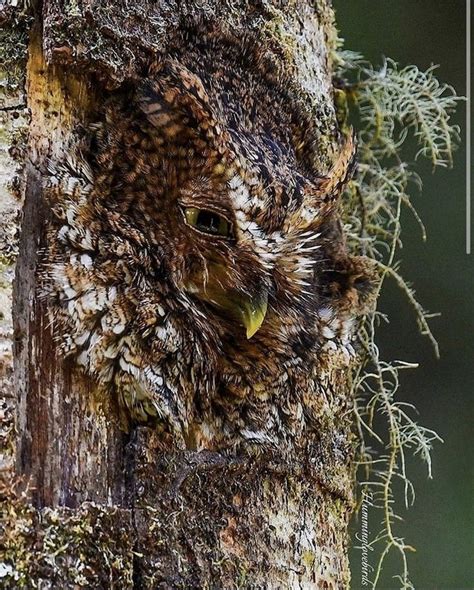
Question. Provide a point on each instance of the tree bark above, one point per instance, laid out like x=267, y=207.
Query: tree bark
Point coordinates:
x=114, y=509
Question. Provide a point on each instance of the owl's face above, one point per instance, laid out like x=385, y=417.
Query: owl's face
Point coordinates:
x=214, y=255
x=240, y=214
x=200, y=257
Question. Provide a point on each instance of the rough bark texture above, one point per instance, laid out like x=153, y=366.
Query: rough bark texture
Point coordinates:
x=108, y=509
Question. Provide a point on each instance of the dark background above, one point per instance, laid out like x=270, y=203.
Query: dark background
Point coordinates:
x=440, y=524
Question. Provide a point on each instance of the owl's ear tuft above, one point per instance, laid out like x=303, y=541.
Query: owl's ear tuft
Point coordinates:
x=334, y=182
x=176, y=103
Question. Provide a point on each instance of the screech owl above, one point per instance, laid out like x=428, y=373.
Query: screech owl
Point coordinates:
x=197, y=268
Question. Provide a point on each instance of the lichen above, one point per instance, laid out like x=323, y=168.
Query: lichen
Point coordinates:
x=388, y=104
x=89, y=547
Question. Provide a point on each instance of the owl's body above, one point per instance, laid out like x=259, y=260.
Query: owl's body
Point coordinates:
x=198, y=270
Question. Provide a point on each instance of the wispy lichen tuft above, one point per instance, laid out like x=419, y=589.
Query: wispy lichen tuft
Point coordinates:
x=392, y=102
x=389, y=105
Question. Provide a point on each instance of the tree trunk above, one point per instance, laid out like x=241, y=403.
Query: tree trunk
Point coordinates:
x=111, y=508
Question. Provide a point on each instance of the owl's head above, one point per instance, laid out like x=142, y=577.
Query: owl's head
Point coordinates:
x=204, y=241
x=244, y=220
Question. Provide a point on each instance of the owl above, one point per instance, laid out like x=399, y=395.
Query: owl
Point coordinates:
x=196, y=268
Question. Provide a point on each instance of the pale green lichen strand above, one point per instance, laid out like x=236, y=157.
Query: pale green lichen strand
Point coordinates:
x=390, y=104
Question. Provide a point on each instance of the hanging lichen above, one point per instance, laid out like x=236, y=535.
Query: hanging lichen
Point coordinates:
x=388, y=105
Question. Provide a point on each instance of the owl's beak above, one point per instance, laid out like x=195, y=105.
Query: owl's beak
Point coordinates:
x=253, y=312
x=250, y=310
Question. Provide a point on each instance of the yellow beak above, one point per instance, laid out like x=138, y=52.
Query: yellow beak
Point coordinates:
x=253, y=312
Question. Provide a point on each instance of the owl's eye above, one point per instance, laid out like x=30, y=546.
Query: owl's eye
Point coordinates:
x=208, y=222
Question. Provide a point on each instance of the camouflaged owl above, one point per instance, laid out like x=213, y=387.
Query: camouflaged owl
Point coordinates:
x=197, y=269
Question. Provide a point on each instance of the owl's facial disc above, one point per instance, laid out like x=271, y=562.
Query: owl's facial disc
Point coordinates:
x=248, y=310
